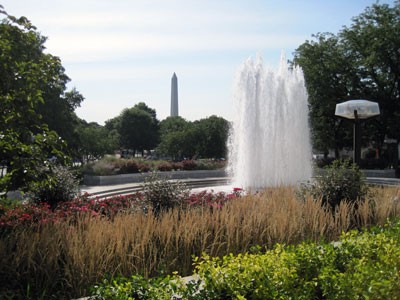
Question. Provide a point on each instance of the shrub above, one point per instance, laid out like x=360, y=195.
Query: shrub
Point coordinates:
x=189, y=165
x=137, y=287
x=358, y=266
x=128, y=166
x=62, y=186
x=177, y=165
x=342, y=181
x=209, y=199
x=30, y=214
x=163, y=194
x=164, y=167
x=100, y=168
x=143, y=168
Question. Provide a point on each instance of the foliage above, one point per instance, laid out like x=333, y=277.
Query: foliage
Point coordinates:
x=62, y=186
x=163, y=194
x=95, y=141
x=341, y=181
x=179, y=145
x=183, y=139
x=128, y=166
x=210, y=199
x=213, y=137
x=360, y=62
x=28, y=77
x=165, y=167
x=58, y=111
x=13, y=214
x=138, y=128
x=90, y=239
x=109, y=165
x=30, y=214
x=188, y=165
x=137, y=287
x=358, y=266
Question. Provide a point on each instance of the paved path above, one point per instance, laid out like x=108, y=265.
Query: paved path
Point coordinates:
x=196, y=185
x=102, y=191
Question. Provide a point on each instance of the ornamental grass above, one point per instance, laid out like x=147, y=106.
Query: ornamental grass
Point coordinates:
x=65, y=258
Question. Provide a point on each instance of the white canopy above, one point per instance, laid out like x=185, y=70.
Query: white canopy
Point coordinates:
x=365, y=109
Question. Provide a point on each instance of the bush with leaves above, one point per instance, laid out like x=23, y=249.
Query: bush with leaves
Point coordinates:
x=129, y=166
x=189, y=165
x=61, y=186
x=341, y=181
x=163, y=194
x=360, y=265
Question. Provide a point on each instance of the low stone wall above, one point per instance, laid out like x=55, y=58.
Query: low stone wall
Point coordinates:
x=380, y=173
x=389, y=173
x=137, y=177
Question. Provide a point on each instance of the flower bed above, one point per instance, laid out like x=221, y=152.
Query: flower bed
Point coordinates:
x=61, y=253
x=30, y=214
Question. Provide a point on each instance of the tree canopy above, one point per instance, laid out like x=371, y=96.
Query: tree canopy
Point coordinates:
x=183, y=139
x=95, y=141
x=28, y=78
x=137, y=128
x=362, y=61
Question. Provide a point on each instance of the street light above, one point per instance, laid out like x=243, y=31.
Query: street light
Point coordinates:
x=357, y=110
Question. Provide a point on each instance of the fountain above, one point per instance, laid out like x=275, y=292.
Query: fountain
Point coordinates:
x=269, y=143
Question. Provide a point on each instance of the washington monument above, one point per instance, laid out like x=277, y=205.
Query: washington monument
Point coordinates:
x=174, y=96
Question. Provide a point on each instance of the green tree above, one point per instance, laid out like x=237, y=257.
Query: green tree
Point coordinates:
x=373, y=40
x=172, y=124
x=177, y=138
x=95, y=141
x=58, y=109
x=181, y=144
x=25, y=73
x=213, y=133
x=360, y=62
x=138, y=128
x=327, y=72
x=182, y=139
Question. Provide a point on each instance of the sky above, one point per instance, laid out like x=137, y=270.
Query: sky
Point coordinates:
x=122, y=52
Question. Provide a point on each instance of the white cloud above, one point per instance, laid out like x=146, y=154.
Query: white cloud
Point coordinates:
x=111, y=46
x=121, y=50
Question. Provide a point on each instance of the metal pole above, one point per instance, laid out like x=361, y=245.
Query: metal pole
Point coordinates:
x=356, y=140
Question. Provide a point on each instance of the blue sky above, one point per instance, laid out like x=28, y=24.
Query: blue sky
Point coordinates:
x=121, y=52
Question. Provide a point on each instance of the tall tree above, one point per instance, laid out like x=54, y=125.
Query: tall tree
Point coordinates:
x=360, y=62
x=326, y=73
x=174, y=138
x=373, y=40
x=138, y=128
x=95, y=141
x=172, y=124
x=213, y=137
x=25, y=73
x=182, y=139
x=58, y=110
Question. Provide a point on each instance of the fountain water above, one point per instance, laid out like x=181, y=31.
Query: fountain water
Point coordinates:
x=269, y=143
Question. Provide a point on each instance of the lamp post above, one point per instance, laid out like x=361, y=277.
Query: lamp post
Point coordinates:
x=357, y=110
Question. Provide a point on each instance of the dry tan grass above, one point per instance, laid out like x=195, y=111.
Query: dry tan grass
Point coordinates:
x=73, y=257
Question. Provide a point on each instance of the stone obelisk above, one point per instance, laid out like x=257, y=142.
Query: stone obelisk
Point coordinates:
x=174, y=96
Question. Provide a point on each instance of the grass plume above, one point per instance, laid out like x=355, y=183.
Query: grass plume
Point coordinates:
x=68, y=258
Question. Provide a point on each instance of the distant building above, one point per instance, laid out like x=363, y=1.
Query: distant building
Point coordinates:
x=174, y=96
